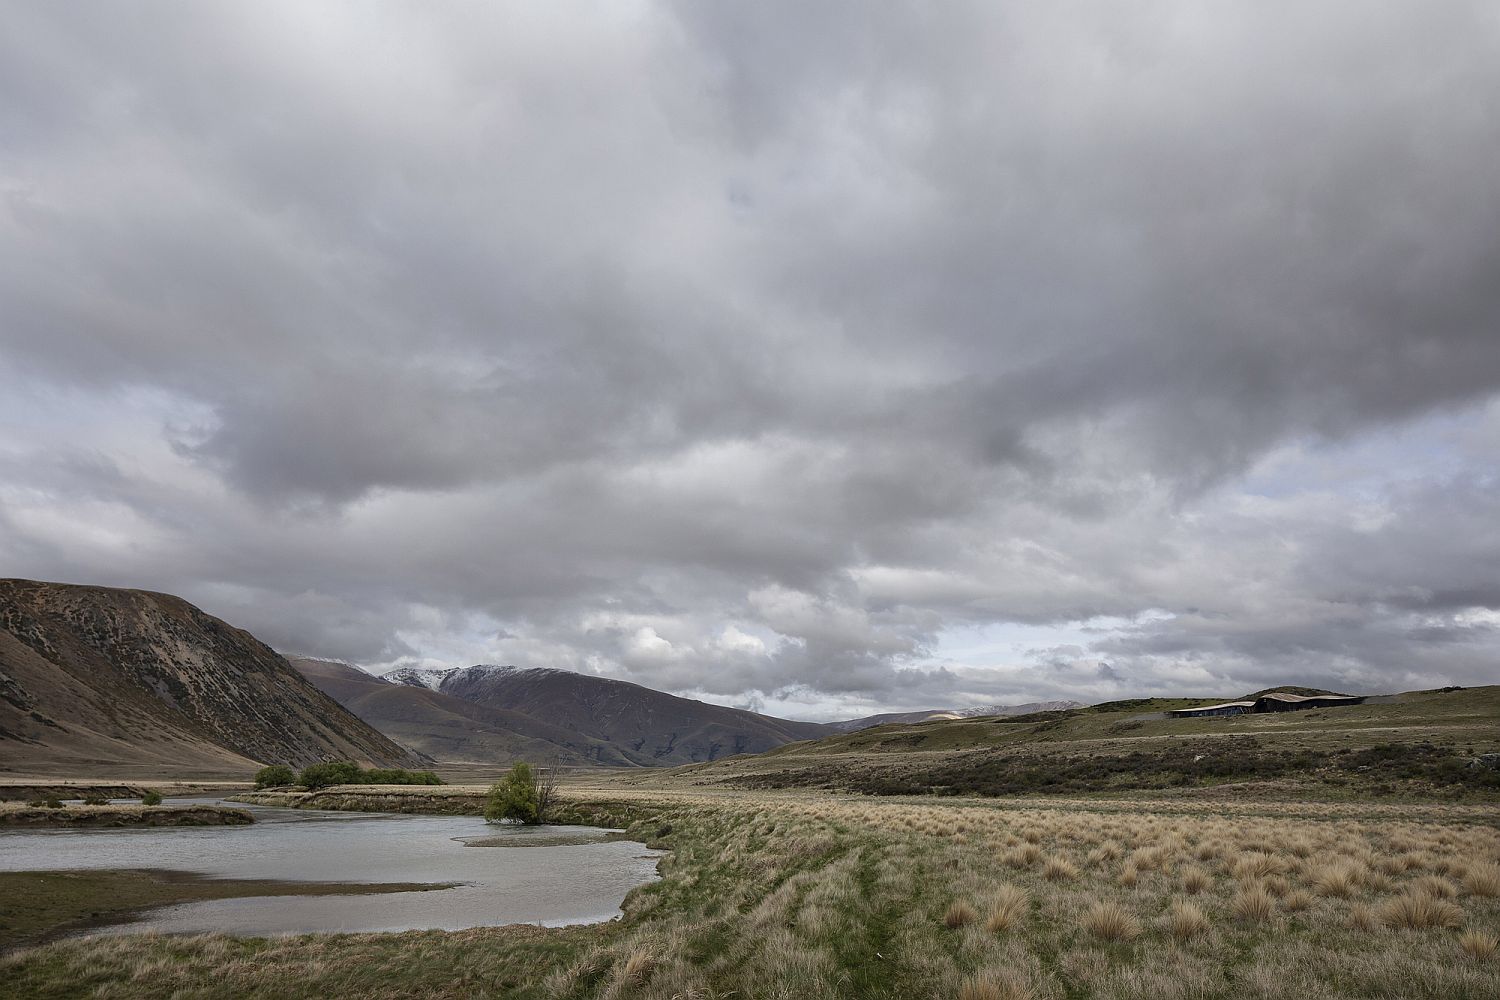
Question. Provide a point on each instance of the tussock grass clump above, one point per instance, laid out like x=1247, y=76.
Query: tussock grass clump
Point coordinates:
x=1478, y=945
x=1059, y=870
x=1185, y=920
x=1106, y=852
x=1008, y=909
x=1483, y=880
x=637, y=967
x=1002, y=984
x=1256, y=865
x=1129, y=877
x=959, y=914
x=1363, y=918
x=1195, y=880
x=1111, y=922
x=1253, y=905
x=1336, y=881
x=1296, y=901
x=1418, y=911
x=1435, y=886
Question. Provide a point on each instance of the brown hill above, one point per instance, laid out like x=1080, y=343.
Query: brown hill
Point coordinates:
x=96, y=681
x=451, y=730
x=907, y=718
x=643, y=726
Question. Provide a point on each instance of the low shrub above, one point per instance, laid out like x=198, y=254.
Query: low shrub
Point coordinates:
x=151, y=798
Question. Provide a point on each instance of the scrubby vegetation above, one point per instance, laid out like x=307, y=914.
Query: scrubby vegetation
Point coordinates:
x=771, y=895
x=525, y=795
x=274, y=776
x=1385, y=769
x=347, y=772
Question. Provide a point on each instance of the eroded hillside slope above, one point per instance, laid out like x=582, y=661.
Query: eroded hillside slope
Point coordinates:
x=100, y=681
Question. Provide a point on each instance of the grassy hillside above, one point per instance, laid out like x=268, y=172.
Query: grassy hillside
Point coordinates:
x=1415, y=743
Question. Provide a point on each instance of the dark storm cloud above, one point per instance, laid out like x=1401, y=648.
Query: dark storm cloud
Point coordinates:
x=766, y=348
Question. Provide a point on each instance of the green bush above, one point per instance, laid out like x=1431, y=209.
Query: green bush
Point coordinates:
x=95, y=800
x=276, y=774
x=335, y=772
x=514, y=797
x=151, y=798
x=398, y=776
x=346, y=772
x=53, y=803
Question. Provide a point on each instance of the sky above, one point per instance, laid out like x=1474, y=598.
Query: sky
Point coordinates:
x=820, y=358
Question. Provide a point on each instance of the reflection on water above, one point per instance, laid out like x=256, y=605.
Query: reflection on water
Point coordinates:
x=548, y=875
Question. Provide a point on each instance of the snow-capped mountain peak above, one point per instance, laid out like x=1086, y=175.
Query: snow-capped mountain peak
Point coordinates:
x=434, y=677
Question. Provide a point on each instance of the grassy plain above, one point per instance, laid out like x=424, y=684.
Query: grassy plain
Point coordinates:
x=1415, y=746
x=809, y=894
x=1310, y=856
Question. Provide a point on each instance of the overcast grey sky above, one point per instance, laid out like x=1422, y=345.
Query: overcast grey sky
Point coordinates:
x=819, y=357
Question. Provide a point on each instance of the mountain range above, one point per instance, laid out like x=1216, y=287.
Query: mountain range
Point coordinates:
x=486, y=712
x=103, y=682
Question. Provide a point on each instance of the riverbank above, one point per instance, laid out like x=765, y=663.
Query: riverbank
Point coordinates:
x=39, y=906
x=14, y=789
x=18, y=815
x=426, y=800
x=581, y=806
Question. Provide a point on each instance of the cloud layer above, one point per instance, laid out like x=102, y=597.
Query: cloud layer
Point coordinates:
x=805, y=356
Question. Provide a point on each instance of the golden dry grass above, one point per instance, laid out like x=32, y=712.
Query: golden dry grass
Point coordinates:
x=1111, y=922
x=1478, y=945
x=809, y=895
x=1252, y=905
x=1195, y=880
x=1418, y=910
x=1482, y=880
x=1185, y=920
x=960, y=914
x=997, y=984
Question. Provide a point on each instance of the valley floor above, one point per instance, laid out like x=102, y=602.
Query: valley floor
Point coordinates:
x=807, y=894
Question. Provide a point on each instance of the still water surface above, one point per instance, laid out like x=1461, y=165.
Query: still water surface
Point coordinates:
x=580, y=880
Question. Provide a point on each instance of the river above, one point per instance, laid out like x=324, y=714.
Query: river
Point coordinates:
x=550, y=875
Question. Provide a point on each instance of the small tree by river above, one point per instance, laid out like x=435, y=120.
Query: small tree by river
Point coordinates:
x=525, y=795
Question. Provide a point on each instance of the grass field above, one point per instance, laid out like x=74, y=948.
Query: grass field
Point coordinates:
x=1416, y=746
x=806, y=894
x=1103, y=852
